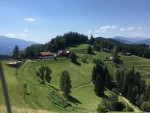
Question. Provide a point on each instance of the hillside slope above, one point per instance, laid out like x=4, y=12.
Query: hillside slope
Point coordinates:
x=83, y=98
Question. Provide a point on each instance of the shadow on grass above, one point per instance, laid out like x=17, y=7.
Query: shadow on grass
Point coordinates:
x=54, y=88
x=118, y=61
x=102, y=95
x=77, y=63
x=93, y=53
x=73, y=100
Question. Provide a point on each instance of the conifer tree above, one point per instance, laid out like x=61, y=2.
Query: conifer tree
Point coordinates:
x=94, y=74
x=15, y=54
x=99, y=85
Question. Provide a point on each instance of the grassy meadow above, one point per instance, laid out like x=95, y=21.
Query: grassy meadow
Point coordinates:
x=82, y=98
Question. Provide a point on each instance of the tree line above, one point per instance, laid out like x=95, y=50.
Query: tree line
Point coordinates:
x=74, y=38
x=141, y=50
x=133, y=87
x=101, y=78
x=60, y=42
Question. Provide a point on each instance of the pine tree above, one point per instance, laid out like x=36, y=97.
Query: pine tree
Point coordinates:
x=89, y=50
x=92, y=39
x=94, y=74
x=108, y=80
x=115, y=53
x=15, y=54
x=99, y=85
x=65, y=83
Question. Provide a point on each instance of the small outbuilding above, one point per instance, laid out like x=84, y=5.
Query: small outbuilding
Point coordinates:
x=63, y=53
x=14, y=63
x=111, y=58
x=127, y=54
x=45, y=55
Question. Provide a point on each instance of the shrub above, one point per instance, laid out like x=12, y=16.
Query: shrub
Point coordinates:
x=145, y=106
x=96, y=60
x=89, y=50
x=84, y=60
x=129, y=109
x=58, y=99
x=119, y=106
x=102, y=109
x=73, y=57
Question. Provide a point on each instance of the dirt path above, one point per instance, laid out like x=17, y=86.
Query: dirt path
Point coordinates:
x=77, y=88
x=136, y=109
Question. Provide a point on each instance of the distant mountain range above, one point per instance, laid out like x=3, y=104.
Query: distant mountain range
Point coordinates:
x=7, y=44
x=138, y=40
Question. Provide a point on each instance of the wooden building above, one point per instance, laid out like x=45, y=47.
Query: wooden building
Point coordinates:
x=45, y=55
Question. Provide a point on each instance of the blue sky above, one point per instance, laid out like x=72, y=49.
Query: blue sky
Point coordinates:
x=41, y=20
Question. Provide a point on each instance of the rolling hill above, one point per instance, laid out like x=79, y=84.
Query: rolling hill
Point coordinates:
x=7, y=44
x=83, y=99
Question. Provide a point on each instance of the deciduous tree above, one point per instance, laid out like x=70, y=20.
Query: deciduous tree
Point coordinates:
x=65, y=83
x=44, y=74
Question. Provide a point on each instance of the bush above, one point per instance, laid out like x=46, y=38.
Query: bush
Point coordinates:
x=96, y=60
x=27, y=89
x=119, y=106
x=89, y=50
x=102, y=109
x=145, y=106
x=58, y=99
x=128, y=109
x=73, y=57
x=84, y=60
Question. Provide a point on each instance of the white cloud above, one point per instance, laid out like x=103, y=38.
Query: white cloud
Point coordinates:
x=26, y=30
x=89, y=32
x=130, y=28
x=10, y=35
x=139, y=28
x=21, y=35
x=30, y=19
x=105, y=28
x=122, y=29
x=113, y=27
x=127, y=29
x=15, y=35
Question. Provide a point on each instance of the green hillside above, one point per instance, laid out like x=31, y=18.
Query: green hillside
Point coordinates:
x=27, y=93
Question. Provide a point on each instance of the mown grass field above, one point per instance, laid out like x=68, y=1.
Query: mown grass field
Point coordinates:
x=83, y=98
x=140, y=64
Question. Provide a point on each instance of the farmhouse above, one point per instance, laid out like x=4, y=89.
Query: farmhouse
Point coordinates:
x=45, y=55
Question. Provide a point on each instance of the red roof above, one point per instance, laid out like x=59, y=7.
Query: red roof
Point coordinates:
x=46, y=53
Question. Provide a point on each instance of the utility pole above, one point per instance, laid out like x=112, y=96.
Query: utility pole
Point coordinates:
x=4, y=87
